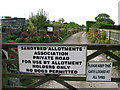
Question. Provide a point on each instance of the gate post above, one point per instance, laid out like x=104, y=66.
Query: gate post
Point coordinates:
x=0, y=56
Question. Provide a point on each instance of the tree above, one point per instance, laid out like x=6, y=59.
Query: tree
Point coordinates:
x=72, y=25
x=57, y=25
x=30, y=27
x=104, y=18
x=39, y=20
x=61, y=20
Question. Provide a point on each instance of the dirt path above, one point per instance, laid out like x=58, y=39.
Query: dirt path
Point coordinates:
x=80, y=38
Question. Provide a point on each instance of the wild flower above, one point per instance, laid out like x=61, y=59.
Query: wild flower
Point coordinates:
x=48, y=35
x=12, y=42
x=98, y=36
x=24, y=34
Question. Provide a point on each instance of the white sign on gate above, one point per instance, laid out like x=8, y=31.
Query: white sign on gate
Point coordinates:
x=52, y=59
x=99, y=71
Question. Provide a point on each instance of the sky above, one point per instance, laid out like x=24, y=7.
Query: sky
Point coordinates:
x=78, y=11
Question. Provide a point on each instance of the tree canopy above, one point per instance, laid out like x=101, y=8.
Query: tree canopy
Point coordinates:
x=39, y=20
x=104, y=18
x=61, y=20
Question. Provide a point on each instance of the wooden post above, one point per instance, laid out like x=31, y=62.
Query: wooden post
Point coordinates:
x=118, y=37
x=0, y=72
x=0, y=59
x=109, y=35
x=4, y=79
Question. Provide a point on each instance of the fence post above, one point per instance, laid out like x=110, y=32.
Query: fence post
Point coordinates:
x=4, y=80
x=119, y=37
x=109, y=34
x=0, y=58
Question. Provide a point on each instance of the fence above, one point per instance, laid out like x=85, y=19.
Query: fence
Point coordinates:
x=113, y=35
x=58, y=78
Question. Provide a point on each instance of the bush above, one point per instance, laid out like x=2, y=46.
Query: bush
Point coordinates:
x=37, y=39
x=63, y=32
x=109, y=26
x=47, y=39
x=89, y=24
x=107, y=41
x=19, y=40
x=92, y=40
x=103, y=35
x=11, y=37
x=101, y=26
x=25, y=82
x=97, y=37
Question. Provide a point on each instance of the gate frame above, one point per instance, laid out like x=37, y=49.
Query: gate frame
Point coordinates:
x=101, y=48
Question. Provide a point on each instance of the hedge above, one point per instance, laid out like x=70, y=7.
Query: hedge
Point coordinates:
x=102, y=26
x=109, y=26
x=89, y=24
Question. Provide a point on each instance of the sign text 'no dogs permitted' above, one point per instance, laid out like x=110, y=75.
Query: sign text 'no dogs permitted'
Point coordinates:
x=52, y=59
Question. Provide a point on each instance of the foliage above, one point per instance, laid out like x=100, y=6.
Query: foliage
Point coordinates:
x=39, y=20
x=24, y=34
x=25, y=82
x=109, y=26
x=35, y=29
x=26, y=38
x=61, y=20
x=63, y=32
x=10, y=41
x=97, y=37
x=91, y=35
x=19, y=40
x=62, y=29
x=101, y=26
x=57, y=25
x=102, y=21
x=117, y=53
x=13, y=68
x=104, y=18
x=36, y=39
x=55, y=38
x=47, y=38
x=52, y=38
x=103, y=35
x=10, y=37
x=30, y=27
x=89, y=24
x=71, y=25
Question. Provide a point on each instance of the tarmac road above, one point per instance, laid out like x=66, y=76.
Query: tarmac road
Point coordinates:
x=74, y=39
